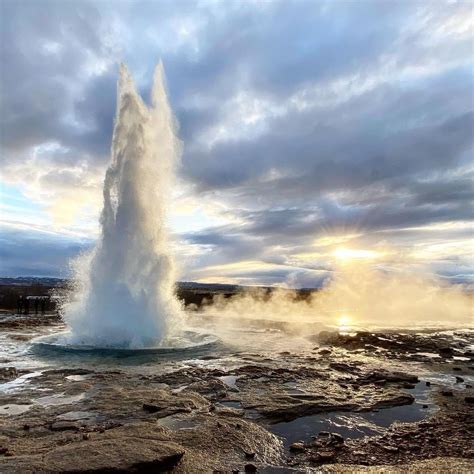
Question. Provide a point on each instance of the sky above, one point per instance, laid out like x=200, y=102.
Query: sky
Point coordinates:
x=312, y=131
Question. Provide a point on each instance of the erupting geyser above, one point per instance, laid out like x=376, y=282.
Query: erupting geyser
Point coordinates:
x=125, y=288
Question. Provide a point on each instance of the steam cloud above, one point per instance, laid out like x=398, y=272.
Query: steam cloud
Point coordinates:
x=358, y=296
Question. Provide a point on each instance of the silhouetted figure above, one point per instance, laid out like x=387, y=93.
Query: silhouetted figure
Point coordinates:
x=36, y=305
x=27, y=305
x=19, y=308
x=43, y=305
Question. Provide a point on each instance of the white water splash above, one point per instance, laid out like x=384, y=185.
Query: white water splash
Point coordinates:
x=125, y=287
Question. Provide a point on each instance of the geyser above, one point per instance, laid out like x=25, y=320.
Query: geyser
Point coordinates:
x=124, y=295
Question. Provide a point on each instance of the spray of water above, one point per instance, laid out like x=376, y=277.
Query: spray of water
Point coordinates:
x=125, y=288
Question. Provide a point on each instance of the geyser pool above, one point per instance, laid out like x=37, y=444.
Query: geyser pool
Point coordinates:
x=124, y=289
x=180, y=342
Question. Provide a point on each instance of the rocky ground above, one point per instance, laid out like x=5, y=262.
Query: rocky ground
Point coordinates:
x=301, y=410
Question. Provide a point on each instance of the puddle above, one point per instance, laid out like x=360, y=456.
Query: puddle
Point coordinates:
x=429, y=355
x=449, y=380
x=81, y=416
x=59, y=399
x=175, y=423
x=12, y=409
x=231, y=403
x=18, y=382
x=179, y=389
x=302, y=429
x=230, y=380
x=356, y=425
x=79, y=378
x=291, y=388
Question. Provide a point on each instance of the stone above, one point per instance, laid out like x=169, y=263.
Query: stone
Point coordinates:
x=325, y=455
x=297, y=447
x=8, y=373
x=150, y=408
x=447, y=393
x=249, y=455
x=65, y=426
x=459, y=379
x=121, y=454
x=390, y=449
x=250, y=468
x=337, y=438
x=469, y=400
x=446, y=351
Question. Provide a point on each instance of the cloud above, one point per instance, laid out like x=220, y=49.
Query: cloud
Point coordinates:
x=26, y=252
x=300, y=121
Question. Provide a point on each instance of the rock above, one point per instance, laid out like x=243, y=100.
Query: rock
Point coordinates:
x=447, y=393
x=390, y=449
x=428, y=384
x=297, y=447
x=457, y=369
x=249, y=455
x=446, y=351
x=396, y=400
x=150, y=408
x=336, y=438
x=65, y=426
x=383, y=375
x=228, y=411
x=212, y=389
x=469, y=400
x=459, y=379
x=250, y=468
x=325, y=351
x=8, y=373
x=341, y=367
x=325, y=455
x=121, y=454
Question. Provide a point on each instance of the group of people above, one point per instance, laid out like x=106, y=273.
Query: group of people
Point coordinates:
x=39, y=303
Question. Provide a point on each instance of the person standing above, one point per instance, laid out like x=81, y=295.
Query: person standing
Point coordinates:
x=26, y=305
x=36, y=305
x=19, y=308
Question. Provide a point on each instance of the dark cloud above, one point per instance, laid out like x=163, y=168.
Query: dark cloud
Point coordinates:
x=29, y=252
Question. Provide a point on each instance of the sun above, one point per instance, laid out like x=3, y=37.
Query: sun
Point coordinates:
x=344, y=322
x=344, y=253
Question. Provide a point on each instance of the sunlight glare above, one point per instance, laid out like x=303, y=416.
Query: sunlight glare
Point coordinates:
x=344, y=253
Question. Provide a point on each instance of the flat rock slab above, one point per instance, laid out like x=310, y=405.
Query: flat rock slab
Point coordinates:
x=125, y=454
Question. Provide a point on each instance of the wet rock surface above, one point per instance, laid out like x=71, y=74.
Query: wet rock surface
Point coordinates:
x=230, y=411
